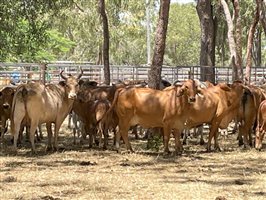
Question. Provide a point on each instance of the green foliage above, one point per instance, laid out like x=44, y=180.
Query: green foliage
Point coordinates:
x=33, y=31
x=56, y=47
x=183, y=37
x=23, y=27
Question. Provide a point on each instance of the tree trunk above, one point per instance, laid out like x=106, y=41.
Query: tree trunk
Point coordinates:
x=238, y=36
x=207, y=52
x=102, y=12
x=262, y=5
x=154, y=77
x=237, y=70
x=256, y=48
x=250, y=43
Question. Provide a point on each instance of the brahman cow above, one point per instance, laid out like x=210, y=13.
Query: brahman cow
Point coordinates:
x=152, y=108
x=216, y=106
x=261, y=125
x=40, y=103
x=248, y=113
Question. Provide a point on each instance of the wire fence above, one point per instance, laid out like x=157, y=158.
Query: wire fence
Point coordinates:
x=24, y=72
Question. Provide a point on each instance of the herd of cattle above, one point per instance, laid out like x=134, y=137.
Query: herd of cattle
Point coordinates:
x=174, y=108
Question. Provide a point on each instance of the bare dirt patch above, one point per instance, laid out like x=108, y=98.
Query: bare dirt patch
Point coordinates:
x=77, y=172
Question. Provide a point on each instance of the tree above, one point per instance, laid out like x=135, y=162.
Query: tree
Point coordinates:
x=234, y=54
x=207, y=52
x=23, y=27
x=105, y=42
x=154, y=76
x=183, y=36
x=250, y=42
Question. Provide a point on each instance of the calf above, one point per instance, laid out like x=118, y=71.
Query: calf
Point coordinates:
x=6, y=99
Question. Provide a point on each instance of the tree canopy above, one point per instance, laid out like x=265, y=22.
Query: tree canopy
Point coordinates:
x=50, y=30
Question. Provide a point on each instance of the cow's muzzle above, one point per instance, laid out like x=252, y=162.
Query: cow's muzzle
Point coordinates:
x=72, y=95
x=6, y=106
x=191, y=99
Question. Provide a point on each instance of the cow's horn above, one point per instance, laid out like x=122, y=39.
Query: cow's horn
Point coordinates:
x=61, y=74
x=81, y=73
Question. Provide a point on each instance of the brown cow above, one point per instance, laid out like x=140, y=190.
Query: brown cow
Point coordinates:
x=6, y=99
x=43, y=104
x=90, y=113
x=261, y=125
x=248, y=113
x=152, y=108
x=217, y=106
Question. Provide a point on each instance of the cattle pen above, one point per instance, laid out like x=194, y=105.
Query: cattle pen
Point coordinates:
x=80, y=171
x=49, y=72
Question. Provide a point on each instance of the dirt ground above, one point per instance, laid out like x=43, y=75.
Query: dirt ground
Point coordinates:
x=77, y=172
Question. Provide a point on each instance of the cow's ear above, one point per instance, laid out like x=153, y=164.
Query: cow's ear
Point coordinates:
x=199, y=90
x=81, y=81
x=62, y=83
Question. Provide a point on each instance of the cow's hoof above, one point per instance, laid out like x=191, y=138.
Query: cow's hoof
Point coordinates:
x=246, y=147
x=217, y=149
x=104, y=148
x=97, y=142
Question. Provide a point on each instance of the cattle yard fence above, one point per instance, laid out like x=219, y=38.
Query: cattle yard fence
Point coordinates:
x=50, y=72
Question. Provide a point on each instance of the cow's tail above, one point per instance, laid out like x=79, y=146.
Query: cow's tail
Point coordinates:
x=19, y=107
x=247, y=95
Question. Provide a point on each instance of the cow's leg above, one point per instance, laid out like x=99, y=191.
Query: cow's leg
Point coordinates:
x=166, y=134
x=213, y=133
x=185, y=134
x=200, y=132
x=90, y=131
x=83, y=134
x=56, y=132
x=40, y=131
x=50, y=135
x=105, y=135
x=74, y=134
x=70, y=115
x=33, y=128
x=75, y=125
x=17, y=120
x=241, y=132
x=3, y=120
x=250, y=138
x=216, y=144
x=123, y=131
x=178, y=144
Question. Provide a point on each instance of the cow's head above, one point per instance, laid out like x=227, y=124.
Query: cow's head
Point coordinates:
x=6, y=97
x=71, y=84
x=188, y=88
x=259, y=137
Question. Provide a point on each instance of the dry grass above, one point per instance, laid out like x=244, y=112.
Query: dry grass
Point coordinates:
x=81, y=173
